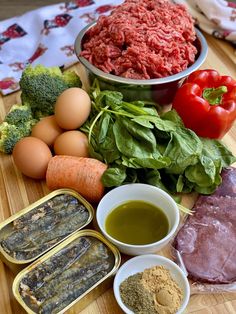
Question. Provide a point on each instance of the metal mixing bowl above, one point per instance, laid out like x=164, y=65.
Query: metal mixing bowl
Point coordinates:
x=160, y=90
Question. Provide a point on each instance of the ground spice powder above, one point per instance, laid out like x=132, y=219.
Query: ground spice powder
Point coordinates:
x=133, y=294
x=166, y=293
x=151, y=292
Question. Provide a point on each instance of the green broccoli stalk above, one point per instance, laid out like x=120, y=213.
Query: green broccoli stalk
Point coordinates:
x=18, y=113
x=41, y=86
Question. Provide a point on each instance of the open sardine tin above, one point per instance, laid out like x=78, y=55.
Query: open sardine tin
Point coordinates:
x=57, y=221
x=36, y=287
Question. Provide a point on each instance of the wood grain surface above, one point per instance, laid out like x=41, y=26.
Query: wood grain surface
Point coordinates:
x=17, y=191
x=12, y=8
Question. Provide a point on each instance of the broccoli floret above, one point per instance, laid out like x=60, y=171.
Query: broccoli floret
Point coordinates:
x=9, y=136
x=18, y=113
x=17, y=124
x=26, y=127
x=72, y=79
x=41, y=86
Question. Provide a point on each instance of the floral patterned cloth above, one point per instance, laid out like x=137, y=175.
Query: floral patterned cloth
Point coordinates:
x=44, y=36
x=47, y=35
x=215, y=17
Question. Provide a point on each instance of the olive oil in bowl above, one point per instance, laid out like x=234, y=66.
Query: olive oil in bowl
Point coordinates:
x=137, y=223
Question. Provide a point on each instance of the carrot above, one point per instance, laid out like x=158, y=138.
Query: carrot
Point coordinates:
x=78, y=173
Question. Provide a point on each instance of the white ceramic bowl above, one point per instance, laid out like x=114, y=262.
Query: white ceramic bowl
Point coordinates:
x=138, y=192
x=139, y=264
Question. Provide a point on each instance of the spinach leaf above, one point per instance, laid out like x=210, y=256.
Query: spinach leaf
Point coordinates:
x=131, y=176
x=151, y=111
x=94, y=151
x=140, y=133
x=183, y=149
x=173, y=116
x=215, y=150
x=103, y=127
x=137, y=110
x=152, y=163
x=206, y=174
x=150, y=121
x=138, y=103
x=140, y=146
x=109, y=150
x=180, y=184
x=165, y=125
x=144, y=121
x=203, y=173
x=109, y=98
x=114, y=176
x=187, y=187
x=153, y=177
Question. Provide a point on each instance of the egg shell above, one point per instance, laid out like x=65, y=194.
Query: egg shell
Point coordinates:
x=72, y=108
x=72, y=143
x=31, y=156
x=47, y=130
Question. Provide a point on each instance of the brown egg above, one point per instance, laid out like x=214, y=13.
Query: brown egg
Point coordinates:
x=72, y=108
x=47, y=130
x=31, y=156
x=72, y=143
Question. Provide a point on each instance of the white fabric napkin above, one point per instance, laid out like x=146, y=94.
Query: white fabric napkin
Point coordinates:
x=44, y=36
x=215, y=17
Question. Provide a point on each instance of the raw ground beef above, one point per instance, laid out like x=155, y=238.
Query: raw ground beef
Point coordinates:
x=207, y=241
x=142, y=39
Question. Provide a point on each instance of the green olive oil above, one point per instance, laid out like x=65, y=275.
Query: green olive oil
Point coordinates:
x=137, y=223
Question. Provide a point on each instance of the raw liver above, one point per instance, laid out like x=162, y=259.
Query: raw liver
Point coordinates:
x=207, y=240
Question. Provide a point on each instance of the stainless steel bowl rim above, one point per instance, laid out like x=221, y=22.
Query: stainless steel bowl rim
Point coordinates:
x=110, y=77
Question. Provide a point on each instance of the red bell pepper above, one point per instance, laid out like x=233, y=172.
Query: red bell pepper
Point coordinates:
x=206, y=102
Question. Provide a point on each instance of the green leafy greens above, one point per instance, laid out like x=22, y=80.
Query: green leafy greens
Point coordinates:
x=139, y=145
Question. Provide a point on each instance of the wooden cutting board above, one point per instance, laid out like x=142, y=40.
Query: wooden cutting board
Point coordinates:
x=18, y=191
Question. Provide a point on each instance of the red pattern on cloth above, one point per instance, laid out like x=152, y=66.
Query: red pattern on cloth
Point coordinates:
x=44, y=36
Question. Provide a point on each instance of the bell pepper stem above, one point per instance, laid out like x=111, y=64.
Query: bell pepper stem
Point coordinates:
x=214, y=95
